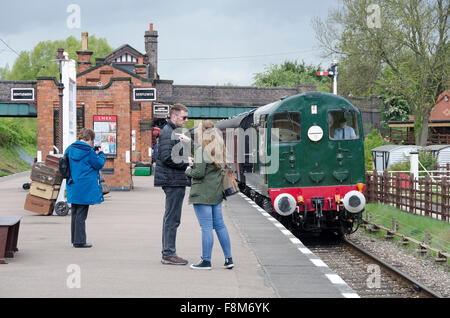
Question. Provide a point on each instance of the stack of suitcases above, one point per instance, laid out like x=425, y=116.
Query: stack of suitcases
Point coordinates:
x=45, y=184
x=105, y=187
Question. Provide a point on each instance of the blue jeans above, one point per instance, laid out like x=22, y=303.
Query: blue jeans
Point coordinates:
x=210, y=217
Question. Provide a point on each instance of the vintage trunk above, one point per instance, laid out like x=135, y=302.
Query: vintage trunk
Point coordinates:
x=44, y=174
x=105, y=188
x=39, y=205
x=52, y=161
x=45, y=191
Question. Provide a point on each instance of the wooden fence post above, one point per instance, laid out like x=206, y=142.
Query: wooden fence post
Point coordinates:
x=385, y=184
x=444, y=200
x=427, y=237
x=427, y=195
x=412, y=194
x=397, y=194
x=375, y=192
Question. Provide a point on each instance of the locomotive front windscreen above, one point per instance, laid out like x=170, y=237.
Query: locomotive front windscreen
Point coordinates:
x=288, y=127
x=343, y=125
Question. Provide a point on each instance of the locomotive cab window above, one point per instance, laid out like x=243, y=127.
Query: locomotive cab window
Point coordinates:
x=286, y=127
x=343, y=125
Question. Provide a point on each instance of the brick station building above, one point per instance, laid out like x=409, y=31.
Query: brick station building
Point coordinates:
x=122, y=98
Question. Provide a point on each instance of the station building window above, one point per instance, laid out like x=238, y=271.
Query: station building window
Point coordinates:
x=288, y=127
x=343, y=125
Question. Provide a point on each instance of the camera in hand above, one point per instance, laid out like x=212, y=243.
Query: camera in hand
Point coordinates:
x=96, y=148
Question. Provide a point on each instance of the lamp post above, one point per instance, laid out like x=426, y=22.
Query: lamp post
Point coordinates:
x=59, y=58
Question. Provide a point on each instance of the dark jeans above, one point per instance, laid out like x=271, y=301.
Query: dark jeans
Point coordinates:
x=79, y=215
x=172, y=218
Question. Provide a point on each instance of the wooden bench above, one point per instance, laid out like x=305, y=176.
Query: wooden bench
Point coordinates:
x=9, y=234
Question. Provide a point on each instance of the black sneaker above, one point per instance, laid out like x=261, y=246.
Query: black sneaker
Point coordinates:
x=82, y=245
x=202, y=264
x=228, y=263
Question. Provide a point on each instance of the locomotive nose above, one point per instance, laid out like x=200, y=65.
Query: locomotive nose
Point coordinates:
x=354, y=201
x=285, y=204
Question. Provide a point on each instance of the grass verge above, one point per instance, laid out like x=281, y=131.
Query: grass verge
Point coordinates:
x=411, y=225
x=10, y=162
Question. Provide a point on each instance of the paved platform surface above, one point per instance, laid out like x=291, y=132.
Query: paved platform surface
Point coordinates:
x=125, y=259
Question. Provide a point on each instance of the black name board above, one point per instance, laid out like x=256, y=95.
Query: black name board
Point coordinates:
x=144, y=94
x=22, y=93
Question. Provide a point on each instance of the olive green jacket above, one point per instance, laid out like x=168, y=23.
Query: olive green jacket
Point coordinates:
x=206, y=185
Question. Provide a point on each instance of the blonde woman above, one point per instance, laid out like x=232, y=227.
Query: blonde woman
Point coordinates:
x=207, y=192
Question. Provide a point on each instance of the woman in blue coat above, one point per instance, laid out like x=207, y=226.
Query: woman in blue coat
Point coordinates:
x=83, y=186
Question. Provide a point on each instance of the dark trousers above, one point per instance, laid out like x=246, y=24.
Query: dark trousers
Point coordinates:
x=172, y=218
x=79, y=215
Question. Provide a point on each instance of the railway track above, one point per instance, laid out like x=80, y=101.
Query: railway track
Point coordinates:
x=368, y=275
x=365, y=273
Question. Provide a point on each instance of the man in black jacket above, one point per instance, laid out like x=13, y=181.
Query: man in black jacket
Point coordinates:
x=171, y=163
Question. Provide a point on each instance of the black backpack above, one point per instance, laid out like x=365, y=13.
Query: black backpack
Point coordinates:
x=64, y=167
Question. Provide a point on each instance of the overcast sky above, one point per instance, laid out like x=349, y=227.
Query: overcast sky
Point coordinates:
x=190, y=33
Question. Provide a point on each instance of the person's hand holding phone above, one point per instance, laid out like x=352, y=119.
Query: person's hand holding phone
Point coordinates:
x=183, y=138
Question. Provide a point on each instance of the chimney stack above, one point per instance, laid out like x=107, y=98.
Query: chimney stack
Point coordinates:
x=151, y=48
x=84, y=41
x=84, y=56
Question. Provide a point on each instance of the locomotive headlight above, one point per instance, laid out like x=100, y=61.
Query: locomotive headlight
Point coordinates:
x=354, y=201
x=285, y=204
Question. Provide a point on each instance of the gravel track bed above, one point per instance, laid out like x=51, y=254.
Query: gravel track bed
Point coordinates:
x=421, y=268
x=355, y=269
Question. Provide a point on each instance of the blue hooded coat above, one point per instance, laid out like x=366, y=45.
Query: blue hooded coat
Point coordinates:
x=84, y=186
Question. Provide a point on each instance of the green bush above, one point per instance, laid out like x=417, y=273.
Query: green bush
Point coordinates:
x=18, y=131
x=373, y=140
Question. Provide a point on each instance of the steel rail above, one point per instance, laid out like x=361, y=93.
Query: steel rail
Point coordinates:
x=416, y=285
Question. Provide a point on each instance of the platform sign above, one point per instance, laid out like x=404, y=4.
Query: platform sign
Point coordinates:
x=160, y=111
x=105, y=128
x=22, y=94
x=144, y=94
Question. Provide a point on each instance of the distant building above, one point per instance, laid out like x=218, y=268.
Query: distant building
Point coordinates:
x=438, y=125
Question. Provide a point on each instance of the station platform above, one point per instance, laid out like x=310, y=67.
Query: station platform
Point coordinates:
x=125, y=260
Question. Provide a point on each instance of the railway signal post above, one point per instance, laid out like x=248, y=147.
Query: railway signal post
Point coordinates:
x=331, y=72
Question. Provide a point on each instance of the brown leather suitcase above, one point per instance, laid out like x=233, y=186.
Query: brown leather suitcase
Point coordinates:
x=42, y=190
x=39, y=205
x=52, y=161
x=105, y=187
x=44, y=174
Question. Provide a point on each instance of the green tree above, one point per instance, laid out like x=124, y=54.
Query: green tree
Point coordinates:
x=290, y=74
x=4, y=71
x=29, y=65
x=21, y=69
x=407, y=39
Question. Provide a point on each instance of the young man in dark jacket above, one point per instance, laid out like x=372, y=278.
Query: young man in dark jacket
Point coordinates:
x=169, y=174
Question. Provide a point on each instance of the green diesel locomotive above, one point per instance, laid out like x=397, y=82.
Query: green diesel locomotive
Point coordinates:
x=301, y=157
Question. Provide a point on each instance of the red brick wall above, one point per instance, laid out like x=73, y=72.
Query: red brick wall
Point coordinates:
x=46, y=96
x=104, y=74
x=113, y=97
x=118, y=94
